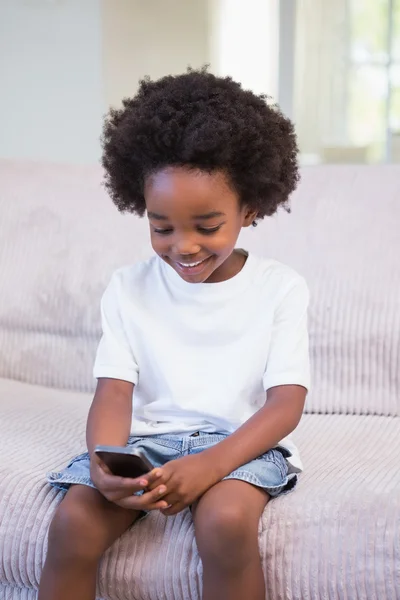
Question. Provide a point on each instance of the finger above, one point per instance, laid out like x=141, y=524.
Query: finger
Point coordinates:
x=153, y=478
x=173, y=509
x=147, y=501
x=104, y=467
x=131, y=504
x=102, y=471
x=172, y=498
x=121, y=487
x=164, y=475
x=98, y=463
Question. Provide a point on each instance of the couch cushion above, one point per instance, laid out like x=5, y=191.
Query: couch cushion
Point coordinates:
x=343, y=236
x=60, y=239
x=11, y=592
x=336, y=536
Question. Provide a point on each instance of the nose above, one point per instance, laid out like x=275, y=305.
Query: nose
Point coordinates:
x=185, y=246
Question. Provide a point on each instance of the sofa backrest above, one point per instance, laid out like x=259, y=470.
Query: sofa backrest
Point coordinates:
x=343, y=235
x=61, y=238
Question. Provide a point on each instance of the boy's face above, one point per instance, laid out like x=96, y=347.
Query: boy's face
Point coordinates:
x=195, y=220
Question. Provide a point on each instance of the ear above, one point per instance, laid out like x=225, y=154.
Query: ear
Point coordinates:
x=249, y=217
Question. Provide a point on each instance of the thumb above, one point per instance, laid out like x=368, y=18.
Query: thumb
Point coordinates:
x=102, y=465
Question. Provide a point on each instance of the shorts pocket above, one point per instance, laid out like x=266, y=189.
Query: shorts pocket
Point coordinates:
x=76, y=472
x=276, y=457
x=77, y=459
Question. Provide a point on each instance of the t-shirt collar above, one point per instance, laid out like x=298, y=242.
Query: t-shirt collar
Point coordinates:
x=227, y=287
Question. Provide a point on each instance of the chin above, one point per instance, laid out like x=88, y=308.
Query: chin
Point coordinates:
x=203, y=278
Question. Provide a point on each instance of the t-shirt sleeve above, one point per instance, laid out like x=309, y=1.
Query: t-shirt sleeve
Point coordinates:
x=114, y=358
x=288, y=360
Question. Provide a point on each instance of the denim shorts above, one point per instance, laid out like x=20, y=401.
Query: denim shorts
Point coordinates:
x=270, y=471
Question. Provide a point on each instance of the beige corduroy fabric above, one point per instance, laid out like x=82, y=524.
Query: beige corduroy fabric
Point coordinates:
x=9, y=592
x=61, y=238
x=336, y=537
x=343, y=236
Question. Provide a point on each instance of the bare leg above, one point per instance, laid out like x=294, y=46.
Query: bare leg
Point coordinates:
x=84, y=526
x=226, y=522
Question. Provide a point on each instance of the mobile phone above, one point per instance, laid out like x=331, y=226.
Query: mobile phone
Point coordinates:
x=124, y=461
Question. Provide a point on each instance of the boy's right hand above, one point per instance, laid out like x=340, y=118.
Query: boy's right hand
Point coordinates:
x=121, y=490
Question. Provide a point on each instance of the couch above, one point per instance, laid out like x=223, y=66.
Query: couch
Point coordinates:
x=338, y=536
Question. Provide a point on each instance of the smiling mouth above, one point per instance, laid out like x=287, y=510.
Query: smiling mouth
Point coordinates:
x=193, y=264
x=192, y=268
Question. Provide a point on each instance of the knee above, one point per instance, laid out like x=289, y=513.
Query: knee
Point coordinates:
x=71, y=536
x=225, y=536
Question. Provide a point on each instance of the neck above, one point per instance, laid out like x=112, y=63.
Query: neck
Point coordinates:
x=231, y=267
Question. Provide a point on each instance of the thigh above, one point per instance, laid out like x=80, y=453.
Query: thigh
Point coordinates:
x=85, y=514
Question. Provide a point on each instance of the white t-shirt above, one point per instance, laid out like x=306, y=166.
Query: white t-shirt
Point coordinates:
x=202, y=356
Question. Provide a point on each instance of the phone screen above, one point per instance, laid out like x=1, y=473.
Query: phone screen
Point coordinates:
x=125, y=465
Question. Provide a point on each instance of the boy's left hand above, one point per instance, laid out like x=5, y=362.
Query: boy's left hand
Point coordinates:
x=186, y=479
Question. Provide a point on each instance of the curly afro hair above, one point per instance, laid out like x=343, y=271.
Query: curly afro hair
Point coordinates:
x=200, y=121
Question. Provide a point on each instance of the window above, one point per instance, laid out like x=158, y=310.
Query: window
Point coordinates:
x=347, y=80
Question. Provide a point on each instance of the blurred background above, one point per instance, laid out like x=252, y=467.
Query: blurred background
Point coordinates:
x=332, y=65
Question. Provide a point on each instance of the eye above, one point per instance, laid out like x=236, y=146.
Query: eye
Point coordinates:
x=163, y=231
x=209, y=230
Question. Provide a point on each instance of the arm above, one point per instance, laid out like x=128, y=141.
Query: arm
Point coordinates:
x=286, y=380
x=109, y=423
x=116, y=370
x=278, y=417
x=187, y=478
x=110, y=415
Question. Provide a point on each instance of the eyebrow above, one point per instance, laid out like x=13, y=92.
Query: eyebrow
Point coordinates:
x=206, y=217
x=211, y=215
x=157, y=217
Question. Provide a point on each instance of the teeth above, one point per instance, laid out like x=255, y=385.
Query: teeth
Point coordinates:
x=191, y=264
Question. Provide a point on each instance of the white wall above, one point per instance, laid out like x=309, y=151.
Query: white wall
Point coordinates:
x=151, y=37
x=63, y=62
x=51, y=98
